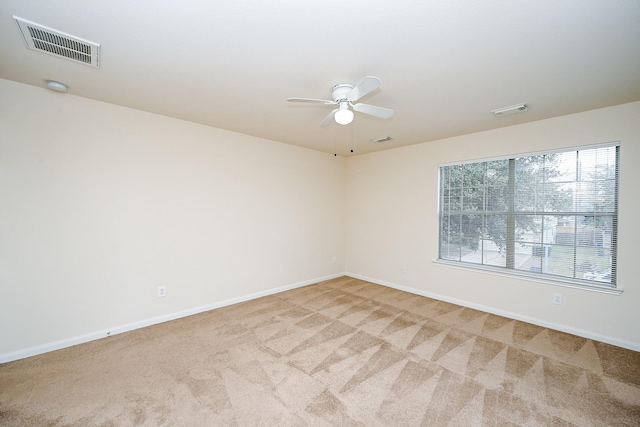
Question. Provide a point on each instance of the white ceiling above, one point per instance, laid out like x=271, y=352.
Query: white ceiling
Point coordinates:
x=444, y=64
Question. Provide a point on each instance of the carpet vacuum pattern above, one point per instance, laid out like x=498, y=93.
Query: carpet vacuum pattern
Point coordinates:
x=343, y=352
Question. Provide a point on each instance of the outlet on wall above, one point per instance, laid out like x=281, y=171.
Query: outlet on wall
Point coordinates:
x=162, y=291
x=557, y=299
x=334, y=259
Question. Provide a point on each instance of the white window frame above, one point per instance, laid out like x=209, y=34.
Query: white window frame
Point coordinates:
x=612, y=288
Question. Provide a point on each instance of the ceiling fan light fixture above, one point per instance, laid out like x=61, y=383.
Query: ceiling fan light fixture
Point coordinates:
x=344, y=117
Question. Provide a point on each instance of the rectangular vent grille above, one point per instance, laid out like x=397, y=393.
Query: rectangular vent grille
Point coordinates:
x=383, y=139
x=47, y=40
x=518, y=108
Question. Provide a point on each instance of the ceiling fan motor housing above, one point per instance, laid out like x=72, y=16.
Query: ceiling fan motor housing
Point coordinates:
x=341, y=91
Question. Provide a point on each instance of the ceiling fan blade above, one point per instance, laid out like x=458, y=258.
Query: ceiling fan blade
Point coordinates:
x=365, y=86
x=317, y=101
x=327, y=120
x=372, y=110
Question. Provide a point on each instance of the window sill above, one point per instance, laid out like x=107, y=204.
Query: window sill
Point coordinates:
x=530, y=277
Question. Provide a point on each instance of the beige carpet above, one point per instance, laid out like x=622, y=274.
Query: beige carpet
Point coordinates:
x=339, y=353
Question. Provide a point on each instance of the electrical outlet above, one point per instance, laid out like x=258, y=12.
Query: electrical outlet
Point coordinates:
x=404, y=270
x=334, y=259
x=557, y=299
x=162, y=291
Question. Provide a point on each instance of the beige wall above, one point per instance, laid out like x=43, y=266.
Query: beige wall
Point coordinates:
x=392, y=222
x=100, y=205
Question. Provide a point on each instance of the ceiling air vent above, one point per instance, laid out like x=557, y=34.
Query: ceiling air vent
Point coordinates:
x=383, y=139
x=53, y=42
x=512, y=109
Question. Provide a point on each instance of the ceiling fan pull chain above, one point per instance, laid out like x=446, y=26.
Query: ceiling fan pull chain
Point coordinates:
x=352, y=126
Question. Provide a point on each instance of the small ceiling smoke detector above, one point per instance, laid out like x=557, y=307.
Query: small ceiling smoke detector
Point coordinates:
x=383, y=139
x=518, y=108
x=54, y=42
x=57, y=86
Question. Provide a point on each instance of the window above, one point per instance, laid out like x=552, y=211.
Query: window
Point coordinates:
x=551, y=214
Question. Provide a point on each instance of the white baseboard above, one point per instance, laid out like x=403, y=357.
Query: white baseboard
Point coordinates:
x=511, y=315
x=57, y=345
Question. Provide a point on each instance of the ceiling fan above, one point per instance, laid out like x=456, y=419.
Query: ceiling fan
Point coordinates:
x=344, y=95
